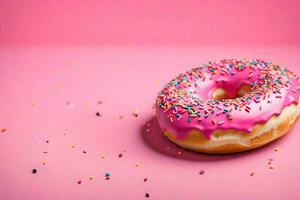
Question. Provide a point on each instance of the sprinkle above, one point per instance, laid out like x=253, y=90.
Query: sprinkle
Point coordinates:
x=147, y=130
x=147, y=195
x=84, y=152
x=271, y=167
x=278, y=97
x=121, y=117
x=34, y=171
x=44, y=163
x=276, y=149
x=135, y=112
x=201, y=172
x=91, y=178
x=221, y=122
x=179, y=153
x=70, y=104
x=137, y=164
x=250, y=75
x=99, y=102
x=79, y=182
x=98, y=114
x=252, y=173
x=120, y=155
x=103, y=156
x=145, y=179
x=72, y=146
x=214, y=121
x=3, y=130
x=107, y=174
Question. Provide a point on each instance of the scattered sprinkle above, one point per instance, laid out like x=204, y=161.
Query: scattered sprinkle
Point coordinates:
x=179, y=153
x=107, y=176
x=137, y=164
x=3, y=130
x=84, y=152
x=70, y=104
x=145, y=179
x=252, y=174
x=135, y=112
x=98, y=114
x=147, y=195
x=120, y=155
x=201, y=172
x=103, y=156
x=91, y=178
x=79, y=182
x=34, y=171
x=276, y=149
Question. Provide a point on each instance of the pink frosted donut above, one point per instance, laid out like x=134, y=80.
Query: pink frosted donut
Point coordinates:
x=229, y=106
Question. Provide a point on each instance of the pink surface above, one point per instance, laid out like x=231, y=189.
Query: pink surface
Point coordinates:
x=123, y=78
x=185, y=22
x=58, y=59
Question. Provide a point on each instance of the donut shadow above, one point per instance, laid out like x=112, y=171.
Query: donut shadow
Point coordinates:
x=156, y=140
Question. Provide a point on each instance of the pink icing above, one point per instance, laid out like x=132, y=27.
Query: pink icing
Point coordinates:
x=186, y=102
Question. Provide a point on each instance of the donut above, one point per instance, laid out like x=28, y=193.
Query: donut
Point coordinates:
x=227, y=106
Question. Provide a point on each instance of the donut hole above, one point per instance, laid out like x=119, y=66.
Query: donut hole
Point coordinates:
x=221, y=94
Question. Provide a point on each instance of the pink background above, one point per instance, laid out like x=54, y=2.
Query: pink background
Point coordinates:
x=121, y=53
